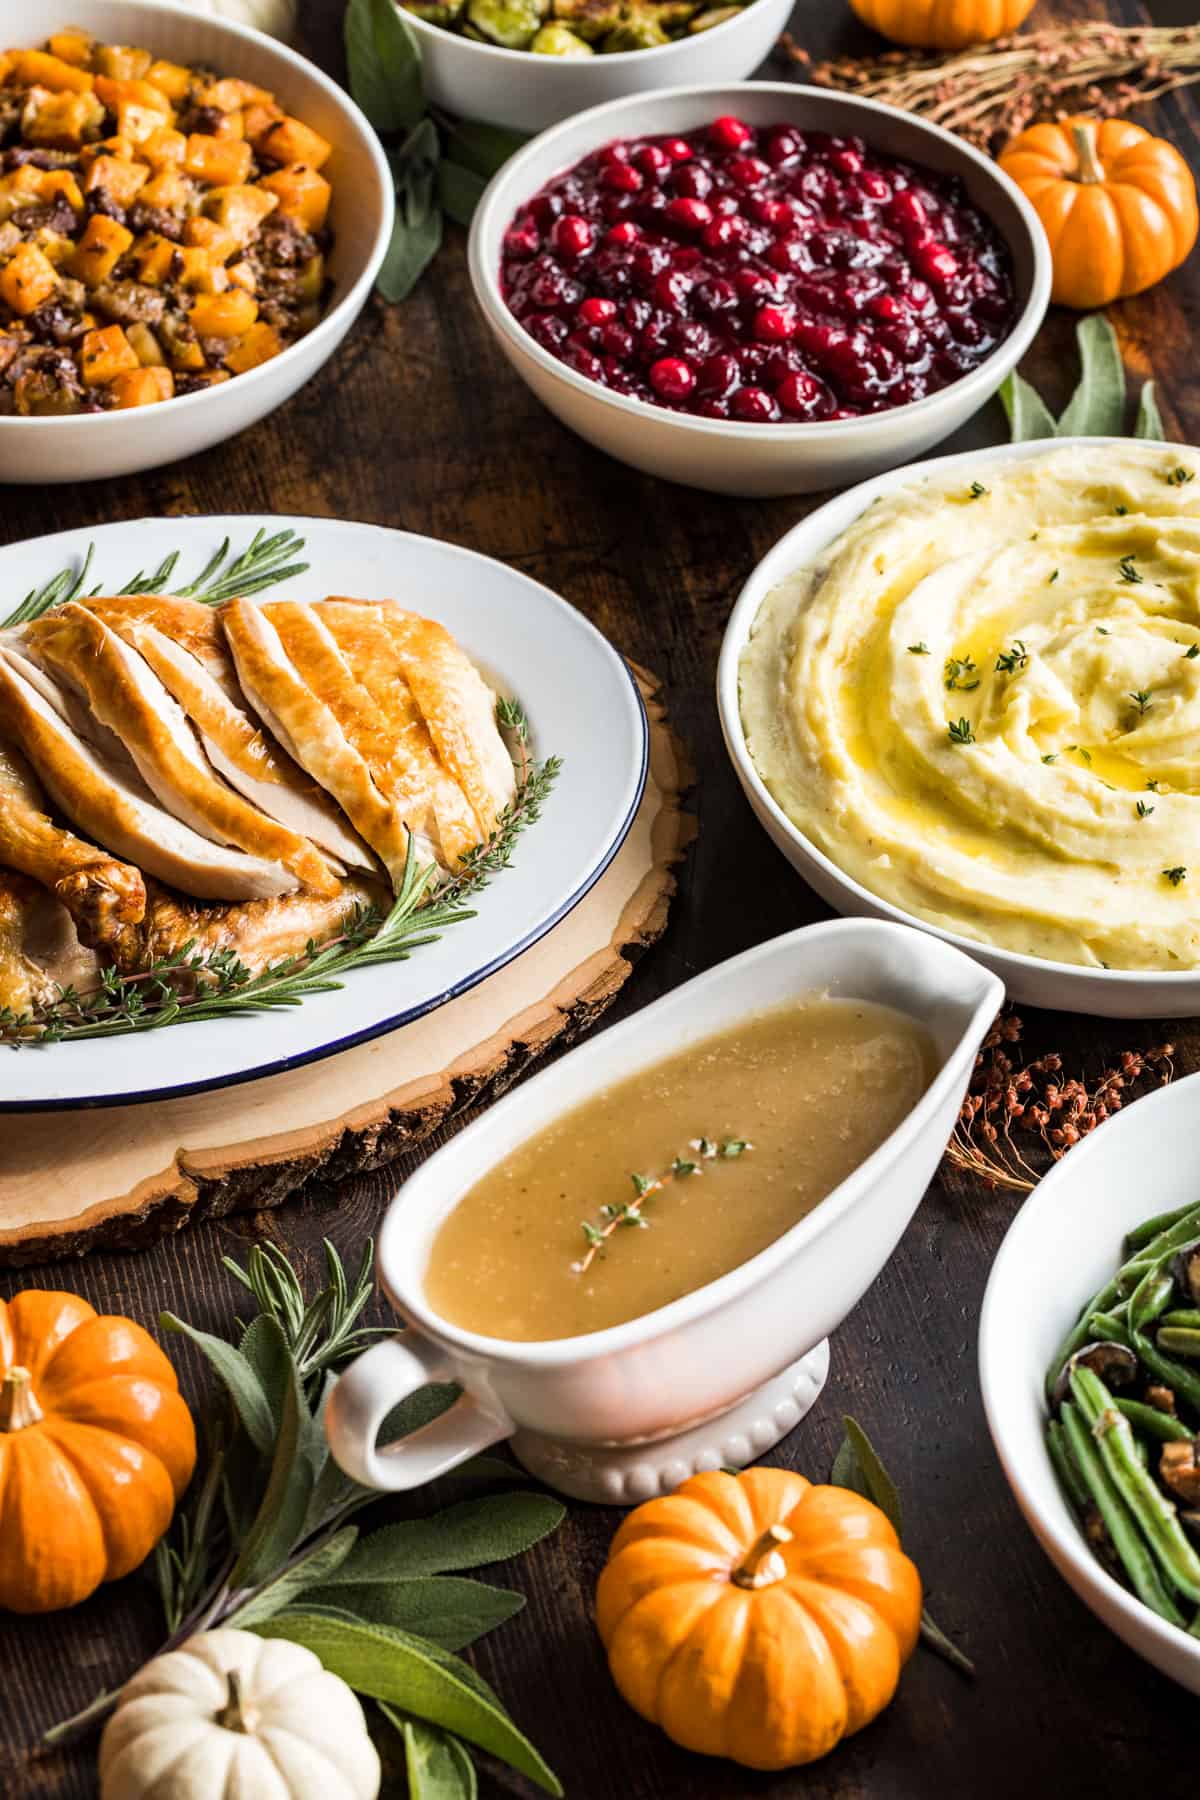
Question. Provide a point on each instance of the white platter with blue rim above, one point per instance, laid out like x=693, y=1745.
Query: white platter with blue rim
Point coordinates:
x=582, y=704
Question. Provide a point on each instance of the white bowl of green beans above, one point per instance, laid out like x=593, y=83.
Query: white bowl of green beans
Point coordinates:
x=1098, y=1254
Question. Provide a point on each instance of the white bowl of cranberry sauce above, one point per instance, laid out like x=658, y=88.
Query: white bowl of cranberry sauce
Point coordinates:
x=758, y=289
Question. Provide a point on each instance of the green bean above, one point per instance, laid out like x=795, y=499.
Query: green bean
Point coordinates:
x=1142, y=1234
x=1182, y=1232
x=1155, y=1424
x=1070, y=1480
x=1108, y=1329
x=1150, y=1297
x=1174, y=1374
x=1153, y=1511
x=1188, y=1316
x=1127, y=1540
x=1179, y=1338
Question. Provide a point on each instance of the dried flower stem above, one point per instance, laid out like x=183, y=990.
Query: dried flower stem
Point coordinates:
x=630, y=1214
x=1004, y=1098
x=988, y=93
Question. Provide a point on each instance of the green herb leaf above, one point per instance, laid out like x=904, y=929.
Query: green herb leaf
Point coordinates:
x=490, y=1529
x=918, y=649
x=266, y=1350
x=436, y=1764
x=859, y=1455
x=1149, y=420
x=1176, y=875
x=1097, y=407
x=959, y=731
x=314, y=1567
x=417, y=231
x=459, y=191
x=390, y=1665
x=384, y=60
x=446, y=1609
x=245, y=1388
x=482, y=148
x=935, y=1639
x=281, y=1514
x=1028, y=415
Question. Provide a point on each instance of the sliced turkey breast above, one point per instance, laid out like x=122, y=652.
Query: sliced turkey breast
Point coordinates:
x=126, y=695
x=329, y=741
x=40, y=954
x=113, y=806
x=100, y=893
x=183, y=643
x=259, y=932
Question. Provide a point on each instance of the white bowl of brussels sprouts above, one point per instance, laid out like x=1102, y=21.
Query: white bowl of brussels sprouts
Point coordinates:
x=526, y=64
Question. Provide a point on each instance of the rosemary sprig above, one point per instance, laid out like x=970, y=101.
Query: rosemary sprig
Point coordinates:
x=264, y=561
x=187, y=987
x=629, y=1215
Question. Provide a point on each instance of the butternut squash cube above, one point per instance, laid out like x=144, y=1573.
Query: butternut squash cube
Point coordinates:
x=73, y=46
x=258, y=345
x=121, y=181
x=240, y=210
x=303, y=194
x=168, y=190
x=258, y=118
x=171, y=79
x=231, y=94
x=130, y=92
x=28, y=280
x=164, y=148
x=122, y=61
x=105, y=354
x=292, y=141
x=210, y=377
x=223, y=315
x=195, y=270
x=219, y=243
x=61, y=121
x=230, y=125
x=241, y=274
x=222, y=162
x=100, y=249
x=153, y=258
x=141, y=387
x=38, y=68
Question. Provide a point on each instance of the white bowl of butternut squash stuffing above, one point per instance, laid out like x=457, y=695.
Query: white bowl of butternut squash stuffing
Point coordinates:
x=191, y=217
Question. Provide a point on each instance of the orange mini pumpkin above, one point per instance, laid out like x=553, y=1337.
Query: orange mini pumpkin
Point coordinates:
x=942, y=24
x=96, y=1446
x=758, y=1616
x=1118, y=205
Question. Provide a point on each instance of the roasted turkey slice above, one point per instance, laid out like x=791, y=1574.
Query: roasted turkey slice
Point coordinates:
x=328, y=681
x=108, y=800
x=40, y=953
x=100, y=893
x=183, y=643
x=125, y=694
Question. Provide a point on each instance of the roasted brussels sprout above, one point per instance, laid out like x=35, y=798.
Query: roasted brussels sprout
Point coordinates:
x=715, y=15
x=557, y=39
x=639, y=32
x=590, y=19
x=572, y=27
x=513, y=24
x=435, y=12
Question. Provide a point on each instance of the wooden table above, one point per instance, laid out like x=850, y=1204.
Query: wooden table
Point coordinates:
x=419, y=423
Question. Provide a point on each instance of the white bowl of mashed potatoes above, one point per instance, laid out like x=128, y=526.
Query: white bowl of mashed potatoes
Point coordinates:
x=966, y=695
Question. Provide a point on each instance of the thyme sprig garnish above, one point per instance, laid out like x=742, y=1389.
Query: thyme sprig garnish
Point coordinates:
x=959, y=731
x=629, y=1216
x=188, y=986
x=1178, y=476
x=1176, y=875
x=264, y=561
x=976, y=491
x=1143, y=700
x=956, y=670
x=1129, y=571
x=1009, y=661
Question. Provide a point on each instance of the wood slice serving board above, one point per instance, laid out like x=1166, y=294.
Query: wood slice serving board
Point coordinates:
x=70, y=1182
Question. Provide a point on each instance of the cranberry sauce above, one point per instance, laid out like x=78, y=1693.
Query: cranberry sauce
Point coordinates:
x=764, y=275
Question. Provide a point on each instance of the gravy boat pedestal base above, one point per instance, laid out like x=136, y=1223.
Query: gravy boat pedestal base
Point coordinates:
x=627, y=1474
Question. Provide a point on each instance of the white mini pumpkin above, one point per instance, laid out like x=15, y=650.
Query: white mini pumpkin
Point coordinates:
x=276, y=17
x=231, y=1714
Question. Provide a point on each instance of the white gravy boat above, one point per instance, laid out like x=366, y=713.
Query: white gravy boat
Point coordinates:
x=719, y=1376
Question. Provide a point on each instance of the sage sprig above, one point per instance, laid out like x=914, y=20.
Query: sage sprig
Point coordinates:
x=859, y=1467
x=1097, y=407
x=263, y=1540
x=440, y=166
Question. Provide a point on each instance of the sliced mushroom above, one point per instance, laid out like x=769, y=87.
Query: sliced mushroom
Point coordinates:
x=1179, y=1467
x=1116, y=1366
x=1161, y=1397
x=1185, y=1267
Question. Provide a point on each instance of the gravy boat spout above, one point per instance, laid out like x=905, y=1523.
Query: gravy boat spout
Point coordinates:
x=717, y=1377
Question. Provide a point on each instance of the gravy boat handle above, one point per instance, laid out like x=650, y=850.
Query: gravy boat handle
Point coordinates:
x=377, y=1381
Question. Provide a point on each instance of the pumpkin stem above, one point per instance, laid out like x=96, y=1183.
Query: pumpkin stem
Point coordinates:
x=237, y=1714
x=1089, y=169
x=18, y=1403
x=762, y=1564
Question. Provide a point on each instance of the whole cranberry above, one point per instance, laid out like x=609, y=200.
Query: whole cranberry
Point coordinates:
x=584, y=362
x=754, y=405
x=523, y=241
x=672, y=378
x=775, y=324
x=721, y=233
x=800, y=394
x=620, y=379
x=687, y=214
x=652, y=160
x=677, y=148
x=620, y=178
x=846, y=162
x=692, y=181
x=624, y=233
x=572, y=235
x=595, y=311
x=715, y=408
x=874, y=185
x=716, y=295
x=688, y=337
x=747, y=171
x=546, y=209
x=616, y=341
x=936, y=263
x=788, y=254
x=648, y=262
x=719, y=375
x=728, y=133
x=782, y=146
x=907, y=211
x=755, y=287
x=637, y=314
x=549, y=330
x=671, y=290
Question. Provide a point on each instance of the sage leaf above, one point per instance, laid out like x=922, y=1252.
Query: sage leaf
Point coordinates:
x=876, y=1483
x=384, y=61
x=308, y=1572
x=245, y=1388
x=935, y=1639
x=284, y=1505
x=482, y=148
x=265, y=1348
x=447, y=1609
x=459, y=191
x=1149, y=420
x=1097, y=407
x=417, y=232
x=1028, y=415
x=487, y=1530
x=390, y=1665
x=437, y=1766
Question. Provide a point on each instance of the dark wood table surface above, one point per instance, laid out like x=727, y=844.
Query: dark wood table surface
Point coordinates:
x=419, y=423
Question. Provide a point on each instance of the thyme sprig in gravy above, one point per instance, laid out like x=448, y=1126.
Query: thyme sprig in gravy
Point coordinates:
x=630, y=1215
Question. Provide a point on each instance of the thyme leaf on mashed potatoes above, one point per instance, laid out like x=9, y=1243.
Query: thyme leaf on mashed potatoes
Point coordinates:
x=959, y=731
